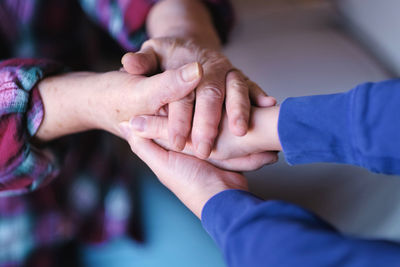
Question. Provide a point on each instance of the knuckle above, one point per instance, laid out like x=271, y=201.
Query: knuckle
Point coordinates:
x=179, y=122
x=238, y=110
x=186, y=103
x=216, y=68
x=147, y=44
x=238, y=85
x=238, y=101
x=212, y=91
x=209, y=56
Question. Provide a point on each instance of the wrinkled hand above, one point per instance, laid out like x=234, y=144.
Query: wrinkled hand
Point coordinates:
x=207, y=101
x=124, y=95
x=192, y=180
x=237, y=153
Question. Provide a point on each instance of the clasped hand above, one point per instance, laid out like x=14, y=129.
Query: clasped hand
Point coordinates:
x=193, y=180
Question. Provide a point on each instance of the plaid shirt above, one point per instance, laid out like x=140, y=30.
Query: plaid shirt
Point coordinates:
x=93, y=196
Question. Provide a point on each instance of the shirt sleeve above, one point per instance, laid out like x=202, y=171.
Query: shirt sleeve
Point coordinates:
x=126, y=20
x=253, y=232
x=23, y=167
x=360, y=127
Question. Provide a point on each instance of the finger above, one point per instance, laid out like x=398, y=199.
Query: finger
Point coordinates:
x=258, y=97
x=171, y=52
x=247, y=163
x=140, y=63
x=237, y=103
x=156, y=128
x=210, y=96
x=150, y=127
x=154, y=156
x=169, y=86
x=180, y=121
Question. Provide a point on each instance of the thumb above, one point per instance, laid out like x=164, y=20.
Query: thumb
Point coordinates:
x=171, y=85
x=143, y=62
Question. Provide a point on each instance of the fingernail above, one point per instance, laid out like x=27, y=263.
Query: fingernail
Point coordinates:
x=124, y=57
x=190, y=72
x=124, y=129
x=204, y=150
x=138, y=124
x=179, y=142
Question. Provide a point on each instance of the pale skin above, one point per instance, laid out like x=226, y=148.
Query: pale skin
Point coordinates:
x=195, y=181
x=82, y=101
x=181, y=31
x=261, y=139
x=77, y=102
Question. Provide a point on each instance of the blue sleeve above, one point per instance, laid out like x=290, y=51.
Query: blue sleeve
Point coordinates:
x=360, y=127
x=253, y=232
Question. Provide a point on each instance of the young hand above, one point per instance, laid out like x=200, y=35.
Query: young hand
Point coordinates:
x=231, y=152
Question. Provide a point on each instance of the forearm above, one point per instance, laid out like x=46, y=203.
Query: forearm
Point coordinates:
x=82, y=101
x=185, y=19
x=66, y=106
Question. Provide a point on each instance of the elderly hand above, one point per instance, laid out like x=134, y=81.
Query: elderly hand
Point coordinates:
x=207, y=101
x=192, y=180
x=75, y=102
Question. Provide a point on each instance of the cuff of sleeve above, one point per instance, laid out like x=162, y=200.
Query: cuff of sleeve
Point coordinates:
x=219, y=211
x=23, y=167
x=23, y=96
x=317, y=129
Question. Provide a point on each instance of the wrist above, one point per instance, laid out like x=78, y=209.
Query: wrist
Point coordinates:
x=186, y=19
x=263, y=132
x=66, y=104
x=222, y=182
x=110, y=102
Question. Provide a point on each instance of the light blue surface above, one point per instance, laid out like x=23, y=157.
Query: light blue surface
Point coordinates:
x=174, y=236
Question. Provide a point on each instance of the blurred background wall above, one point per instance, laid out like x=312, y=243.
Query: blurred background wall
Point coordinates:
x=377, y=24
